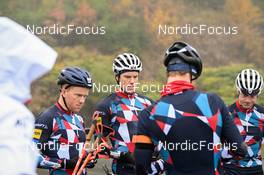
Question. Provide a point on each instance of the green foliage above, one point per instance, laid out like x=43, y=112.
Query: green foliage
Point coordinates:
x=218, y=80
x=221, y=81
x=102, y=6
x=126, y=33
x=131, y=26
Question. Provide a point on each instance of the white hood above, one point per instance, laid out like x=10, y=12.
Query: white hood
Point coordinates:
x=23, y=59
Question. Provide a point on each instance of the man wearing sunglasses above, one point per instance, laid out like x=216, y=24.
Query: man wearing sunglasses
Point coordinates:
x=249, y=118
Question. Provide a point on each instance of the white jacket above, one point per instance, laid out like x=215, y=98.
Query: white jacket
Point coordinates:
x=23, y=59
x=17, y=155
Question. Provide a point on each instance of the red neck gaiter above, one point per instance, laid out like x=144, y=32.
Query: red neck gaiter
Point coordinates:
x=175, y=87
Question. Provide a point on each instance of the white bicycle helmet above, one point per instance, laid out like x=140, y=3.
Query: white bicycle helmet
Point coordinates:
x=249, y=82
x=126, y=62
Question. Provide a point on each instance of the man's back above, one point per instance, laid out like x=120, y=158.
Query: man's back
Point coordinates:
x=190, y=127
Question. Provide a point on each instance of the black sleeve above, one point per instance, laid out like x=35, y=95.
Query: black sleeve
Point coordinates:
x=260, y=109
x=230, y=133
x=43, y=129
x=144, y=146
x=104, y=113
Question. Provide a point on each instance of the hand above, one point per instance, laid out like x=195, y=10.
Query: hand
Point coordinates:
x=50, y=164
x=91, y=164
x=104, y=151
x=157, y=167
x=47, y=164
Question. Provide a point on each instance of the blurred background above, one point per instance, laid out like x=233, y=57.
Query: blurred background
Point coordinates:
x=133, y=26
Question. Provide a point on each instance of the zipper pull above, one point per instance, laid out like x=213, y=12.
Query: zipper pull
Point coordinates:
x=247, y=119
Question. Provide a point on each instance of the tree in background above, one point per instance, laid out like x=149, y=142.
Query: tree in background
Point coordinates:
x=132, y=26
x=249, y=19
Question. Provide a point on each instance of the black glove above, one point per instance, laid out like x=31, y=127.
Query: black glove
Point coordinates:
x=240, y=153
x=127, y=157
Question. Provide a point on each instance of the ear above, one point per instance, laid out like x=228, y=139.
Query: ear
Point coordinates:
x=117, y=78
x=238, y=93
x=63, y=91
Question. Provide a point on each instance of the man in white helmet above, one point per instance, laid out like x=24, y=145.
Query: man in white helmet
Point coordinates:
x=120, y=112
x=24, y=58
x=249, y=119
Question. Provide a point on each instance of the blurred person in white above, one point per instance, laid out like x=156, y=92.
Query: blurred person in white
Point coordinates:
x=23, y=59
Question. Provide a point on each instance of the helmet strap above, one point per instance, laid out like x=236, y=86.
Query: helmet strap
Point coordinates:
x=65, y=104
x=190, y=71
x=63, y=98
x=117, y=78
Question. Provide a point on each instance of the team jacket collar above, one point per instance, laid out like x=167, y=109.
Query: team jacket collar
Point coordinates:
x=124, y=95
x=63, y=110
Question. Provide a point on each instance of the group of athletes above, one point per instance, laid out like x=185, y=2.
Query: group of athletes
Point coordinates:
x=144, y=129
